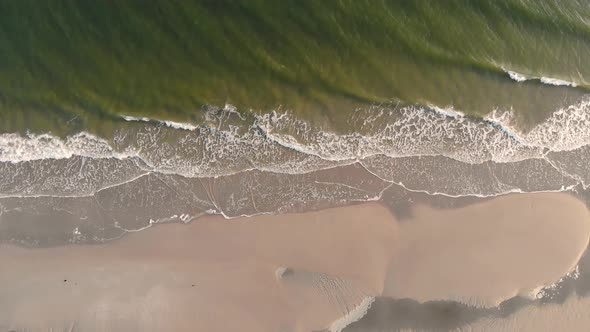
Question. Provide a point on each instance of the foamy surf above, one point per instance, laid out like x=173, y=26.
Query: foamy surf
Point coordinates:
x=449, y=111
x=180, y=125
x=518, y=77
x=546, y=292
x=281, y=143
x=168, y=123
x=135, y=119
x=213, y=114
x=409, y=131
x=557, y=82
x=15, y=148
x=354, y=315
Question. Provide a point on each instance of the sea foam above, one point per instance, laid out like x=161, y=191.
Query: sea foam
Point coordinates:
x=545, y=80
x=354, y=315
x=17, y=148
x=517, y=76
x=284, y=143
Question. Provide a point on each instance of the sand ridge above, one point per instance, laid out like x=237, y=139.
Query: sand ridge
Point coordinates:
x=488, y=252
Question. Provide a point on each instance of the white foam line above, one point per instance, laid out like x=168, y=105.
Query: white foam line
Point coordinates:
x=359, y=162
x=118, y=226
x=77, y=196
x=265, y=213
x=15, y=148
x=169, y=123
x=503, y=193
x=517, y=76
x=574, y=177
x=135, y=119
x=500, y=121
x=435, y=193
x=542, y=137
x=341, y=185
x=352, y=316
x=124, y=182
x=558, y=82
x=542, y=292
x=185, y=218
x=347, y=160
x=545, y=80
x=447, y=111
x=219, y=212
x=278, y=171
x=165, y=172
x=180, y=125
x=302, y=149
x=573, y=273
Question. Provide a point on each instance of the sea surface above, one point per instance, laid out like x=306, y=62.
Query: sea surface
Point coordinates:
x=118, y=115
x=115, y=115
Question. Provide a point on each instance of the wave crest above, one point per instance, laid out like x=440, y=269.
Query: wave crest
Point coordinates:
x=281, y=142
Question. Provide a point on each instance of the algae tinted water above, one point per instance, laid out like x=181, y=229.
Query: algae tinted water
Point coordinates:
x=67, y=66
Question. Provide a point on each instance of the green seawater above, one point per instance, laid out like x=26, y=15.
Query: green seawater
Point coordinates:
x=68, y=66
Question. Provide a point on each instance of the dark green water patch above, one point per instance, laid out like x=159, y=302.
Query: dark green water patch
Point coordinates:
x=89, y=61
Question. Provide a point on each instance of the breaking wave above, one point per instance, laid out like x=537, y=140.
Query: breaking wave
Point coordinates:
x=236, y=164
x=284, y=143
x=545, y=80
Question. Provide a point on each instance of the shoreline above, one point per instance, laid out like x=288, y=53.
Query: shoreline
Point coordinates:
x=330, y=261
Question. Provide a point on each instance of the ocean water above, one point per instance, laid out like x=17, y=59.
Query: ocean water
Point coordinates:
x=118, y=115
x=71, y=66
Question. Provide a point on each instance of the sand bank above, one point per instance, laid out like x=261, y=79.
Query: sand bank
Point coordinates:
x=294, y=272
x=488, y=252
x=210, y=275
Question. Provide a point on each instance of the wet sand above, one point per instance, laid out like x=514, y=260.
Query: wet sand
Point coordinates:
x=210, y=275
x=293, y=272
x=488, y=252
x=572, y=315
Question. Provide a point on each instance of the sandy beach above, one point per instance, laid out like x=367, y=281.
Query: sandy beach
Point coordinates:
x=294, y=272
x=512, y=245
